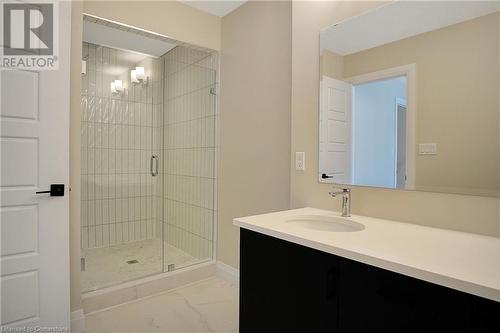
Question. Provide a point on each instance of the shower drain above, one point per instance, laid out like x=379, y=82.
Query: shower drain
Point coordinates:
x=132, y=261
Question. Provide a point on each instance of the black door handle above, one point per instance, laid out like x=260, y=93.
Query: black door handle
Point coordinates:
x=56, y=190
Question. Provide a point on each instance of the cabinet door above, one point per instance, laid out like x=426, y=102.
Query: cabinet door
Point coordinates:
x=374, y=300
x=441, y=309
x=285, y=287
x=485, y=314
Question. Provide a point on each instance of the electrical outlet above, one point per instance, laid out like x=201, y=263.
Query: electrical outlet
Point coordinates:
x=300, y=160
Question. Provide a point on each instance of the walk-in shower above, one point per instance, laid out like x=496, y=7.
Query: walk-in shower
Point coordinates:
x=148, y=147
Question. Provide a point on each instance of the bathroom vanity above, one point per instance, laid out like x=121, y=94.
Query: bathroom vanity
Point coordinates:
x=309, y=270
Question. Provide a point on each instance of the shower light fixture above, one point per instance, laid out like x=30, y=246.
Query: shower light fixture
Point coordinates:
x=116, y=86
x=138, y=75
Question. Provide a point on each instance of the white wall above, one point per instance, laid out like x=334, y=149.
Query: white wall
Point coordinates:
x=374, y=131
x=74, y=153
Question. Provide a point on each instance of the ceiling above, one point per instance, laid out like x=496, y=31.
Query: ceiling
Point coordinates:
x=398, y=20
x=218, y=8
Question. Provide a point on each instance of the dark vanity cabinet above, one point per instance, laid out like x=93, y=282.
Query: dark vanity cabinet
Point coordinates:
x=285, y=287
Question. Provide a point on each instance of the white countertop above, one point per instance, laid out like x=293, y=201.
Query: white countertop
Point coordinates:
x=458, y=260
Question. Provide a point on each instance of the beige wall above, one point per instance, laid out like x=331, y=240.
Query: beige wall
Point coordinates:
x=254, y=173
x=170, y=18
x=462, y=117
x=465, y=213
x=332, y=65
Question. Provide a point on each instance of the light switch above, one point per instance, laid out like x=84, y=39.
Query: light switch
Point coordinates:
x=300, y=160
x=427, y=149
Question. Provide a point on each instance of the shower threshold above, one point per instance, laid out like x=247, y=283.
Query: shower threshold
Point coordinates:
x=116, y=264
x=94, y=301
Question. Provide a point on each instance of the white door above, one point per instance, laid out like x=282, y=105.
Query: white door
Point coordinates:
x=335, y=130
x=34, y=147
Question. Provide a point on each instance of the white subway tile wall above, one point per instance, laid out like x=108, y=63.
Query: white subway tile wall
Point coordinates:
x=190, y=82
x=117, y=143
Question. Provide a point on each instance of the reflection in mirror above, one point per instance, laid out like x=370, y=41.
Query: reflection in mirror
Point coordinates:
x=410, y=96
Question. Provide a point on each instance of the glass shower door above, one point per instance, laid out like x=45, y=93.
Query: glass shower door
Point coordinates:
x=148, y=159
x=121, y=233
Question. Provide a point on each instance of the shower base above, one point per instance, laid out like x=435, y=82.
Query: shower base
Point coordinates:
x=120, y=263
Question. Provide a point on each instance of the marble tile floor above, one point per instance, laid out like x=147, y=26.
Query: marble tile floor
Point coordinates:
x=108, y=266
x=209, y=305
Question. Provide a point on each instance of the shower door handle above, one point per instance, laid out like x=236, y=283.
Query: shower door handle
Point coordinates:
x=153, y=165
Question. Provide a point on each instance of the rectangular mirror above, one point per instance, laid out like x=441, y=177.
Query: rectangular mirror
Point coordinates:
x=410, y=98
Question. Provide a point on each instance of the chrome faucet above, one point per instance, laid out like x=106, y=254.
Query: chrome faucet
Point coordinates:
x=346, y=200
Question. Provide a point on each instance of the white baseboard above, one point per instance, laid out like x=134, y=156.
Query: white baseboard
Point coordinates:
x=77, y=321
x=226, y=272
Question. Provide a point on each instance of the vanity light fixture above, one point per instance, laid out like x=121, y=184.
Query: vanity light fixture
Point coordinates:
x=138, y=75
x=116, y=86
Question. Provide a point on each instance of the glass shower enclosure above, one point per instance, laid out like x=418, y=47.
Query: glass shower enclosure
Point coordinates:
x=148, y=154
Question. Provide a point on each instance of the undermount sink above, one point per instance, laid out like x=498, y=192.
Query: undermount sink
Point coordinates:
x=324, y=223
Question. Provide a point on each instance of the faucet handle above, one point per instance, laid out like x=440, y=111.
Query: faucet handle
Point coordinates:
x=343, y=191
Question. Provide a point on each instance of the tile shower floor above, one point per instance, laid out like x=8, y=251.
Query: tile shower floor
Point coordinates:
x=207, y=306
x=108, y=266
